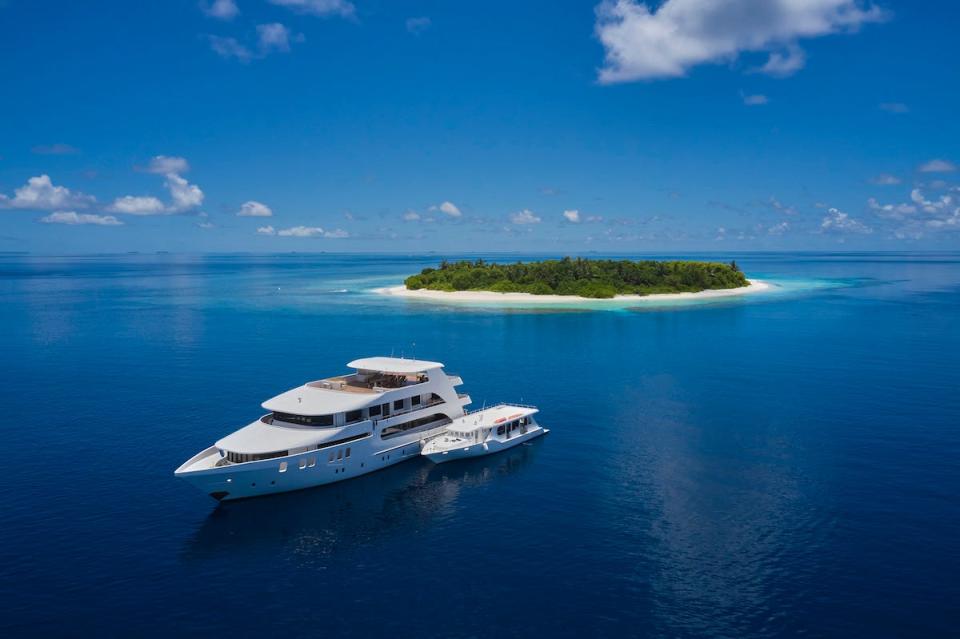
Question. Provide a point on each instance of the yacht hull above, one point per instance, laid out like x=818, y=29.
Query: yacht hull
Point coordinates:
x=489, y=447
x=294, y=472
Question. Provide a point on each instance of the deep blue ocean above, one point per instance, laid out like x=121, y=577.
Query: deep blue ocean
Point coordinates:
x=775, y=465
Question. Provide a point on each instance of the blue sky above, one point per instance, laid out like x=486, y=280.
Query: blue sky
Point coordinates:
x=378, y=125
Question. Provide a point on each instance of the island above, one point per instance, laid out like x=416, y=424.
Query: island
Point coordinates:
x=579, y=277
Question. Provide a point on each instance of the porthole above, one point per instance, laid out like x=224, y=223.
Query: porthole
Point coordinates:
x=283, y=467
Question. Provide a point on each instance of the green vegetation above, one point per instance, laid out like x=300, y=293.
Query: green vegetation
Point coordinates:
x=586, y=278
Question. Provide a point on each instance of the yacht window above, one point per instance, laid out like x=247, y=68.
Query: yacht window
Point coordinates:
x=330, y=459
x=303, y=420
x=348, y=451
x=303, y=463
x=373, y=410
x=500, y=430
x=312, y=462
x=354, y=416
x=398, y=404
x=239, y=458
x=340, y=454
x=415, y=400
x=283, y=467
x=396, y=429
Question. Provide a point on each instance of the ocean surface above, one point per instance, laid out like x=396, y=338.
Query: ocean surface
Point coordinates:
x=773, y=465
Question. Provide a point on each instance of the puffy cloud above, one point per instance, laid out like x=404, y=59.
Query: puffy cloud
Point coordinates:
x=783, y=64
x=891, y=211
x=229, y=48
x=304, y=231
x=754, y=100
x=894, y=107
x=253, y=208
x=447, y=207
x=665, y=42
x=572, y=216
x=937, y=166
x=39, y=193
x=416, y=26
x=779, y=229
x=341, y=8
x=885, y=179
x=55, y=149
x=526, y=216
x=836, y=221
x=411, y=216
x=72, y=217
x=275, y=37
x=184, y=196
x=221, y=9
x=137, y=205
x=921, y=214
x=163, y=165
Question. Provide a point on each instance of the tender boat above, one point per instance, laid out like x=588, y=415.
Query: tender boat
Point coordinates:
x=332, y=429
x=484, y=432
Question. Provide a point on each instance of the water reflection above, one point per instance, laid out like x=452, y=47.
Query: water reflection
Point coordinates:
x=317, y=523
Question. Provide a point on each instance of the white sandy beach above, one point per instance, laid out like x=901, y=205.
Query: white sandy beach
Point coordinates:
x=756, y=286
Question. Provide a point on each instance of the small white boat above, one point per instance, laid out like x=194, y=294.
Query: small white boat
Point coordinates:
x=484, y=432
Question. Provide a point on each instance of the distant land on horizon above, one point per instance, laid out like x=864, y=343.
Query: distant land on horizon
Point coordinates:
x=580, y=277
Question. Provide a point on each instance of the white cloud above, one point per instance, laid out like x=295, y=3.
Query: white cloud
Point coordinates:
x=572, y=216
x=185, y=195
x=836, y=221
x=785, y=63
x=447, y=207
x=891, y=211
x=308, y=231
x=206, y=225
x=341, y=8
x=275, y=37
x=937, y=166
x=754, y=100
x=72, y=217
x=266, y=230
x=411, y=216
x=885, y=179
x=779, y=206
x=229, y=48
x=163, y=165
x=253, y=208
x=137, y=205
x=221, y=9
x=665, y=42
x=526, y=216
x=416, y=26
x=779, y=229
x=39, y=193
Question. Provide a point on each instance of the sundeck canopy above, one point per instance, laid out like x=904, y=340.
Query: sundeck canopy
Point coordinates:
x=394, y=365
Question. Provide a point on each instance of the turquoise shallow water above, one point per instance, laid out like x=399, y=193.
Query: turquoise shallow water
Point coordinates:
x=766, y=465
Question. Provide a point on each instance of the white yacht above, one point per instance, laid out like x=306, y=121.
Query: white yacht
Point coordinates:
x=332, y=429
x=484, y=432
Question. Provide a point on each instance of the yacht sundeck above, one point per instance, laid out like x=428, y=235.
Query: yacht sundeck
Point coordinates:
x=332, y=429
x=484, y=432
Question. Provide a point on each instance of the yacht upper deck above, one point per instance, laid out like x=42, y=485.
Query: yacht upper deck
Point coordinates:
x=379, y=374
